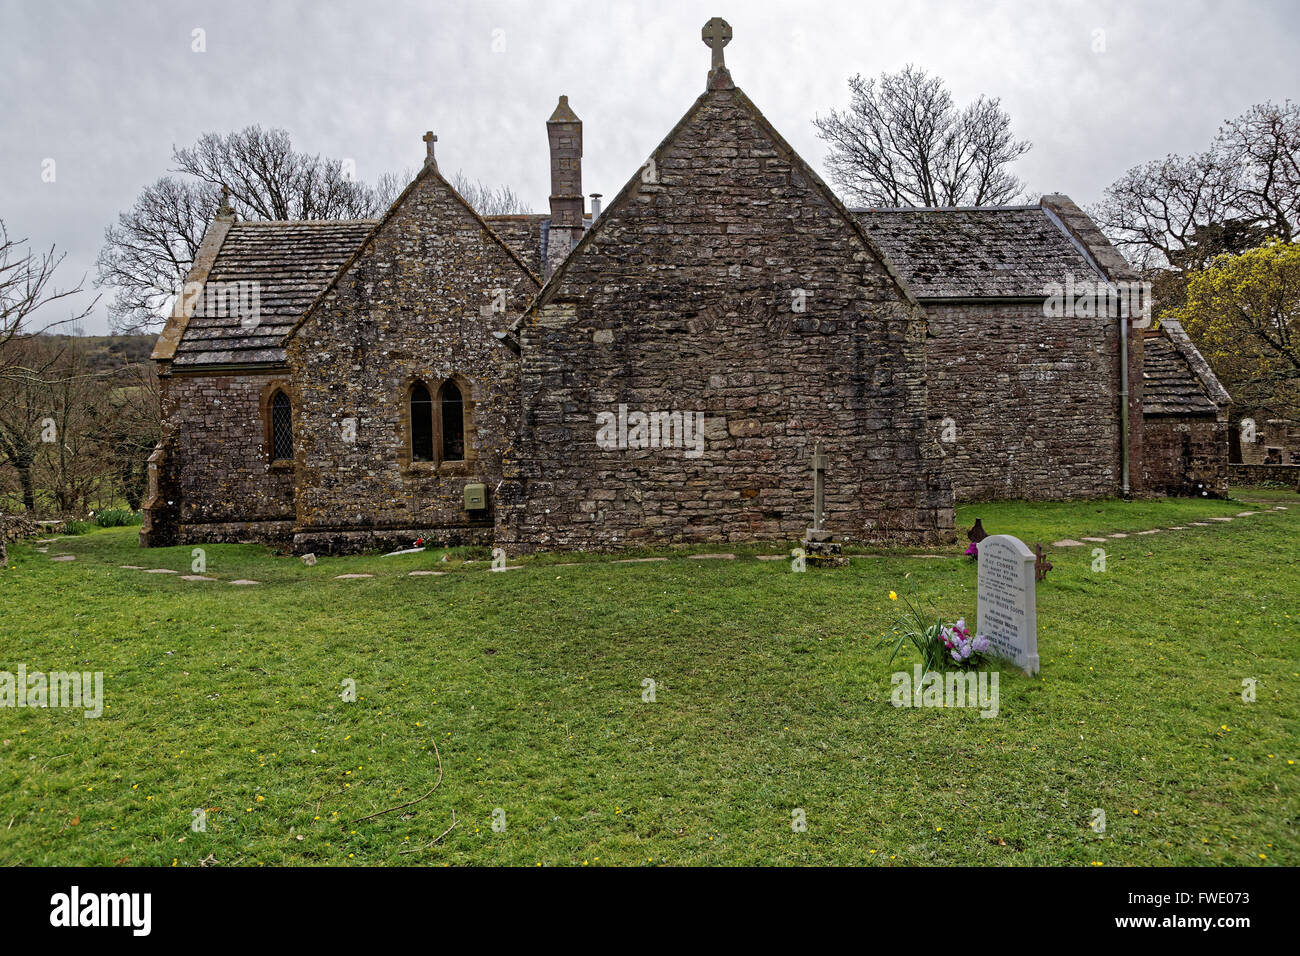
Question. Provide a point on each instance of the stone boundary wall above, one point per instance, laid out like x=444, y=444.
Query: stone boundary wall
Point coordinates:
x=1240, y=474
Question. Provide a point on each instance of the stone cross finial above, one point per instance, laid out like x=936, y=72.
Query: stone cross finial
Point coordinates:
x=429, y=140
x=716, y=34
x=224, y=209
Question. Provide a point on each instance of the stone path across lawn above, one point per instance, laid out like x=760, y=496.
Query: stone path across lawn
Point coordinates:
x=720, y=556
x=1071, y=543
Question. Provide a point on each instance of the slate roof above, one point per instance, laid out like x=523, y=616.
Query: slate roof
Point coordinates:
x=290, y=263
x=939, y=253
x=1169, y=384
x=991, y=252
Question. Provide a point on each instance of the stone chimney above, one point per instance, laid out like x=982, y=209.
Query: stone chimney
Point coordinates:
x=564, y=132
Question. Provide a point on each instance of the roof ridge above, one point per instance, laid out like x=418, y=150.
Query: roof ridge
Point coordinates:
x=305, y=222
x=868, y=209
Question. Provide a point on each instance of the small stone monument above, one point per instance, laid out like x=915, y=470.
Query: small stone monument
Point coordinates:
x=1007, y=613
x=1041, y=564
x=819, y=547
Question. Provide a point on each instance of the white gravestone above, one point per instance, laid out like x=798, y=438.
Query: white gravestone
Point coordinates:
x=1007, y=613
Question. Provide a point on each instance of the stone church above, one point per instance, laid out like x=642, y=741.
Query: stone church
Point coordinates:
x=659, y=371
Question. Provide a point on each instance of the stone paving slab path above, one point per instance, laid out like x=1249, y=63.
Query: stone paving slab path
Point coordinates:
x=716, y=556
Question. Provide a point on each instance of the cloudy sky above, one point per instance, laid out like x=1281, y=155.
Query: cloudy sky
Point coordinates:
x=107, y=89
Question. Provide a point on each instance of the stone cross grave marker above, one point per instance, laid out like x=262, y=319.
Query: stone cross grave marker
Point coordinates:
x=1007, y=612
x=819, y=490
x=819, y=545
x=716, y=34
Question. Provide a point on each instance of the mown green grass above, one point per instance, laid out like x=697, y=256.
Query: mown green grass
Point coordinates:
x=772, y=694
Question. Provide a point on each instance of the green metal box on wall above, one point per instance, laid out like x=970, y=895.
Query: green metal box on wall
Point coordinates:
x=475, y=496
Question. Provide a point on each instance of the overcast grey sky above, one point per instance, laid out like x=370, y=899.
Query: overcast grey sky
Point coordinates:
x=106, y=90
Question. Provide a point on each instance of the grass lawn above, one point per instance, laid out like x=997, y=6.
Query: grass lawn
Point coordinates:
x=772, y=695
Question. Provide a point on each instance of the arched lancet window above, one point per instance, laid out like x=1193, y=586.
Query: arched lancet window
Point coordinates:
x=281, y=427
x=421, y=423
x=453, y=422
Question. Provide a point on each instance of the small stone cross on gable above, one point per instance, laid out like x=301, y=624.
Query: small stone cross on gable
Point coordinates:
x=429, y=140
x=716, y=34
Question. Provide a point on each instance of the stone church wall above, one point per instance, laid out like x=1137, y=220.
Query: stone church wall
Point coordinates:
x=420, y=303
x=1030, y=403
x=683, y=299
x=218, y=468
x=1185, y=452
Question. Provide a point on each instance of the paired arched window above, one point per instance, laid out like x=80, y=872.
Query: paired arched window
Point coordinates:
x=453, y=422
x=421, y=423
x=437, y=424
x=281, y=427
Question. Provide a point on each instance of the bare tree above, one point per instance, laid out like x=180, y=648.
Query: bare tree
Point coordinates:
x=148, y=252
x=26, y=288
x=488, y=200
x=25, y=419
x=391, y=185
x=1180, y=212
x=1265, y=144
x=134, y=426
x=903, y=142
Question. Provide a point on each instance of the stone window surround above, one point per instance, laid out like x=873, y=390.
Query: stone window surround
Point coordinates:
x=438, y=466
x=269, y=391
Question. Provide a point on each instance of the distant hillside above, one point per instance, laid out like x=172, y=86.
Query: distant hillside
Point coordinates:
x=106, y=353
